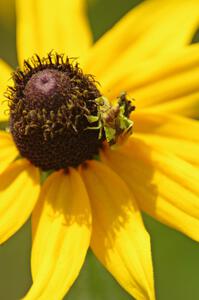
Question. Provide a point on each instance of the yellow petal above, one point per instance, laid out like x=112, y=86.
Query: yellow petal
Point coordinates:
x=61, y=235
x=186, y=150
x=5, y=76
x=19, y=190
x=166, y=125
x=187, y=105
x=165, y=186
x=170, y=79
x=176, y=134
x=152, y=28
x=119, y=239
x=45, y=25
x=172, y=86
x=8, y=151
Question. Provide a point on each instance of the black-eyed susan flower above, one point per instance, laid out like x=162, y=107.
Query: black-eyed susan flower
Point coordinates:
x=108, y=161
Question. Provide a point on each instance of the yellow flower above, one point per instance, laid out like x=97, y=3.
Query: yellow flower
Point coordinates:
x=98, y=204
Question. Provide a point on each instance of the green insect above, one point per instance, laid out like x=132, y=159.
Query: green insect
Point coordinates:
x=112, y=120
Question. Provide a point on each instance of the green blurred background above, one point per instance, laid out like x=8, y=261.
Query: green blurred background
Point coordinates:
x=176, y=258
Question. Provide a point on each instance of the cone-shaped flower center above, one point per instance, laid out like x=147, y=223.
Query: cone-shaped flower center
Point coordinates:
x=56, y=113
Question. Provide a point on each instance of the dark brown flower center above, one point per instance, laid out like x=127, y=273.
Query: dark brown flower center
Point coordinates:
x=49, y=106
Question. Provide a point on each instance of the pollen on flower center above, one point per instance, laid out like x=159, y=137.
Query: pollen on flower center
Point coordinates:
x=58, y=117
